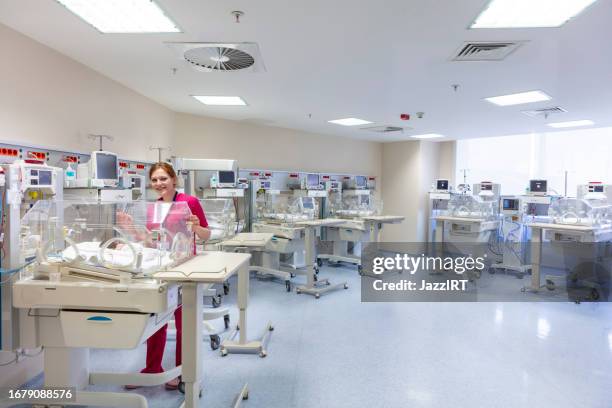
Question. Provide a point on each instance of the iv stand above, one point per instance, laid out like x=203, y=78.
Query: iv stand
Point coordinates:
x=159, y=151
x=100, y=137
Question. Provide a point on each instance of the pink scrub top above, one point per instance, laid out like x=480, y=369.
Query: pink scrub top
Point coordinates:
x=176, y=219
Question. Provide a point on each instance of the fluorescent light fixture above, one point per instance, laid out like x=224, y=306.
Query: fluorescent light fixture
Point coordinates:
x=427, y=136
x=572, y=123
x=221, y=100
x=529, y=13
x=519, y=98
x=122, y=16
x=350, y=122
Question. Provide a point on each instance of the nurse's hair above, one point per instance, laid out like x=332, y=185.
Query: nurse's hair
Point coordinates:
x=167, y=167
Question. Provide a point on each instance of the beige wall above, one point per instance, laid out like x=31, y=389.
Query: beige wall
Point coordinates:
x=263, y=147
x=50, y=100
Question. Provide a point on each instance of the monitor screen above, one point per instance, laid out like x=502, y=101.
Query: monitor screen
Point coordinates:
x=442, y=185
x=538, y=186
x=510, y=204
x=597, y=189
x=312, y=180
x=136, y=182
x=44, y=178
x=308, y=203
x=486, y=187
x=361, y=181
x=227, y=177
x=106, y=166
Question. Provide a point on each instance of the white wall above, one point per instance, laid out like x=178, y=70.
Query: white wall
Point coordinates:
x=50, y=100
x=263, y=147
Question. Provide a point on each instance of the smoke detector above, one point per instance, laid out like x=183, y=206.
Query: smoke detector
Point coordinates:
x=210, y=57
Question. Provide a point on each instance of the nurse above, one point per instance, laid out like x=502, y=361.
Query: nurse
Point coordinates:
x=163, y=181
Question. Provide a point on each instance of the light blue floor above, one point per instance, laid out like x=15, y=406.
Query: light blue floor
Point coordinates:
x=339, y=352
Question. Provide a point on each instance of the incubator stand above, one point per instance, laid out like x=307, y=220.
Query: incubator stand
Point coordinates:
x=362, y=222
x=581, y=221
x=278, y=214
x=221, y=220
x=468, y=219
x=94, y=264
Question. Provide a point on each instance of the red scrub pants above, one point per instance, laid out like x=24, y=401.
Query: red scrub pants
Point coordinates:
x=157, y=343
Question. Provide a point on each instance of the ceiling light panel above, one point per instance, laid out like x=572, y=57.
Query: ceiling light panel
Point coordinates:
x=221, y=100
x=573, y=123
x=529, y=13
x=427, y=136
x=519, y=98
x=350, y=122
x=122, y=16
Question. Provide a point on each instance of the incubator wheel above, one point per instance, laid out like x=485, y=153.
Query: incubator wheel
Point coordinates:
x=319, y=262
x=523, y=289
x=492, y=271
x=245, y=396
x=316, y=278
x=223, y=352
x=292, y=274
x=316, y=269
x=317, y=295
x=271, y=328
x=226, y=321
x=346, y=286
x=181, y=388
x=263, y=353
x=327, y=283
x=226, y=288
x=298, y=291
x=594, y=294
x=288, y=286
x=215, y=341
x=216, y=301
x=550, y=285
x=360, y=269
x=520, y=275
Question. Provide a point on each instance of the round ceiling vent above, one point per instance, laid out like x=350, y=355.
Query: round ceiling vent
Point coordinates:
x=219, y=58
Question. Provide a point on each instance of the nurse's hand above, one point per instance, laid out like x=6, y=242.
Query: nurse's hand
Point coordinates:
x=124, y=219
x=194, y=220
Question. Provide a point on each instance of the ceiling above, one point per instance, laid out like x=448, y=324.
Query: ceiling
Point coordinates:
x=349, y=58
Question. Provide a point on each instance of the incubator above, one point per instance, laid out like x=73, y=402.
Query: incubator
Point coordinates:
x=135, y=238
x=356, y=206
x=589, y=212
x=469, y=206
x=220, y=216
x=282, y=209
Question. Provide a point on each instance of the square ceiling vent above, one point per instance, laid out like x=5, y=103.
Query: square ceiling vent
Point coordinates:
x=544, y=112
x=386, y=129
x=486, y=50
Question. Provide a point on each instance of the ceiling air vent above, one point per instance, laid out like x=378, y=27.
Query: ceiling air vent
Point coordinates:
x=544, y=112
x=384, y=129
x=209, y=57
x=486, y=51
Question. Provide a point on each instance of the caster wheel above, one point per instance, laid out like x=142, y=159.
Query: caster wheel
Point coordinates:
x=216, y=301
x=288, y=286
x=181, y=387
x=245, y=396
x=237, y=328
x=263, y=354
x=292, y=275
x=316, y=269
x=594, y=294
x=226, y=289
x=226, y=321
x=317, y=296
x=523, y=289
x=520, y=275
x=345, y=286
x=550, y=285
x=215, y=341
x=316, y=278
x=327, y=283
x=224, y=353
x=319, y=262
x=271, y=328
x=298, y=291
x=491, y=271
x=360, y=269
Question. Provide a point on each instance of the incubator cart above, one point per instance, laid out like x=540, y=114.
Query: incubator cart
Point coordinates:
x=91, y=286
x=582, y=229
x=363, y=222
